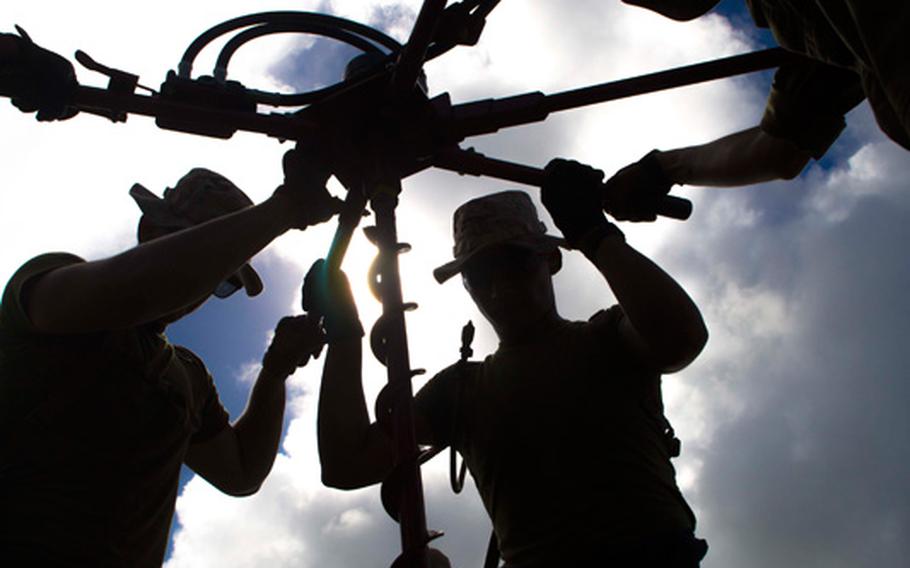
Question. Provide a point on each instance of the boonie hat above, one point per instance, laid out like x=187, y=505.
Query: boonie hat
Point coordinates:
x=508, y=217
x=199, y=196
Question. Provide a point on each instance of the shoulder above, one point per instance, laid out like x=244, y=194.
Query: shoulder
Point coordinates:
x=436, y=403
x=442, y=391
x=189, y=358
x=605, y=322
x=209, y=415
x=615, y=340
x=194, y=367
x=13, y=318
x=444, y=383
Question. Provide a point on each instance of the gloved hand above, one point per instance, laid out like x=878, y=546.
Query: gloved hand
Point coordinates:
x=571, y=192
x=328, y=294
x=38, y=79
x=635, y=192
x=305, y=176
x=297, y=338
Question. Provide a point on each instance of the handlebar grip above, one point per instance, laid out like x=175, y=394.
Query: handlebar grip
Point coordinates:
x=675, y=208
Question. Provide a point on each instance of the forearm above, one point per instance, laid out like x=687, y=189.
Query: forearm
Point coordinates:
x=9, y=47
x=664, y=316
x=156, y=278
x=744, y=158
x=353, y=452
x=258, y=430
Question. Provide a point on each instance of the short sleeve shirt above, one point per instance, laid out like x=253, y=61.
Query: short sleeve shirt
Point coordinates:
x=807, y=104
x=865, y=41
x=803, y=27
x=93, y=430
x=565, y=439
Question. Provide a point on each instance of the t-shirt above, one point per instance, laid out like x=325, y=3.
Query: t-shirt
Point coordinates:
x=802, y=26
x=863, y=43
x=566, y=441
x=93, y=430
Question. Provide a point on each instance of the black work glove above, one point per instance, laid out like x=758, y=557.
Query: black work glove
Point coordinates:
x=635, y=192
x=38, y=80
x=572, y=192
x=327, y=293
x=305, y=176
x=297, y=338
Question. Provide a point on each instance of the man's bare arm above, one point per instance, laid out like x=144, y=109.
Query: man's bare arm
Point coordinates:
x=168, y=274
x=153, y=279
x=666, y=326
x=353, y=451
x=239, y=458
x=662, y=322
x=744, y=158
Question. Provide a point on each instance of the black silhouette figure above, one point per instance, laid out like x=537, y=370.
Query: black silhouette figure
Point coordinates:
x=562, y=427
x=853, y=50
x=98, y=410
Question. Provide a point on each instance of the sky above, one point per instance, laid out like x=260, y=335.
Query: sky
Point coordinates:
x=793, y=421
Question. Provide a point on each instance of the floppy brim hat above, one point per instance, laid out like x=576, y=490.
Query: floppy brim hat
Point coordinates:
x=505, y=218
x=199, y=196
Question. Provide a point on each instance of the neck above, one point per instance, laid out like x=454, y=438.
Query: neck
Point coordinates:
x=528, y=332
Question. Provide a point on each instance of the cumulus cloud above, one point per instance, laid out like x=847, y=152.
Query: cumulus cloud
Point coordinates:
x=793, y=421
x=795, y=413
x=511, y=59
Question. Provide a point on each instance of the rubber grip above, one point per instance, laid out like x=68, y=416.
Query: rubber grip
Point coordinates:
x=675, y=208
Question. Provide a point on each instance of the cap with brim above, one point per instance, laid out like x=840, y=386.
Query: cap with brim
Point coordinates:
x=505, y=218
x=199, y=196
x=542, y=245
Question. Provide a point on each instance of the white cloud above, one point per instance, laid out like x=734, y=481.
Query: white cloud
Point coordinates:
x=248, y=372
x=793, y=423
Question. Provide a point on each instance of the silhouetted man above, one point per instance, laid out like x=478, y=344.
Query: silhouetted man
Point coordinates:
x=98, y=411
x=855, y=49
x=562, y=427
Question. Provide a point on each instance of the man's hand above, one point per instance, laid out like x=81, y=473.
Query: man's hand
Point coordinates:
x=297, y=338
x=327, y=293
x=305, y=176
x=571, y=192
x=38, y=80
x=635, y=192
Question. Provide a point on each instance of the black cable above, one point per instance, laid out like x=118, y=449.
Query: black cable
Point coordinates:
x=357, y=35
x=236, y=42
x=189, y=56
x=296, y=99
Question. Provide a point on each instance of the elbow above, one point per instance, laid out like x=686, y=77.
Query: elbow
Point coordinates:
x=354, y=462
x=339, y=482
x=684, y=15
x=791, y=167
x=681, y=12
x=243, y=490
x=344, y=479
x=783, y=158
x=243, y=485
x=684, y=350
x=354, y=470
x=237, y=486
